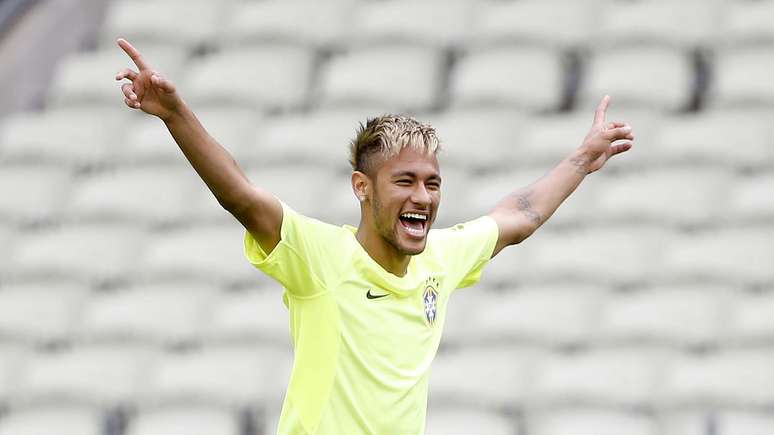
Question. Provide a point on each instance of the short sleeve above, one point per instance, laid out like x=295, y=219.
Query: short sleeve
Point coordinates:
x=465, y=249
x=299, y=260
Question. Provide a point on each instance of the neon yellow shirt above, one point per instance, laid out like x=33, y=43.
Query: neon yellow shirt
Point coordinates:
x=364, y=338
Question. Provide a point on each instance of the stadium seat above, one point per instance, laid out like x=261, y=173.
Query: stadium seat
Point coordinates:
x=644, y=78
x=739, y=378
x=103, y=376
x=744, y=423
x=96, y=253
x=714, y=138
x=727, y=255
x=591, y=422
x=295, y=21
x=61, y=136
x=525, y=78
x=750, y=320
x=686, y=24
x=38, y=312
x=484, y=192
x=62, y=419
x=464, y=421
x=409, y=22
x=740, y=78
x=251, y=78
x=745, y=197
x=207, y=253
x=643, y=196
x=302, y=187
x=680, y=315
x=32, y=193
x=11, y=362
x=512, y=266
x=535, y=315
x=223, y=375
x=161, y=23
x=625, y=377
x=555, y=23
x=249, y=315
x=170, y=313
x=88, y=79
x=481, y=376
x=185, y=420
x=407, y=79
x=746, y=23
x=150, y=194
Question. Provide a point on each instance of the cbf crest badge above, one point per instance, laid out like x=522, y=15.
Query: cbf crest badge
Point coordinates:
x=430, y=298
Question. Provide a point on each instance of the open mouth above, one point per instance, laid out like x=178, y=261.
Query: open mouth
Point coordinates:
x=415, y=224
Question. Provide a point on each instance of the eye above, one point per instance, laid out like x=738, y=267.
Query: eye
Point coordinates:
x=404, y=182
x=434, y=186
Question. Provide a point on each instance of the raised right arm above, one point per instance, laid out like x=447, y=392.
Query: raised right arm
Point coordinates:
x=258, y=210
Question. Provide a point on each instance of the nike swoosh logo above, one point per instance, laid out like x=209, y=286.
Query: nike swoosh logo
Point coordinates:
x=370, y=295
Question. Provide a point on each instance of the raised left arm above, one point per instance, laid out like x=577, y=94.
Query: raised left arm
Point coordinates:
x=523, y=211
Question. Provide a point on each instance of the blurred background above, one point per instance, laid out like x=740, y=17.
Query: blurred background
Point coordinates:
x=645, y=306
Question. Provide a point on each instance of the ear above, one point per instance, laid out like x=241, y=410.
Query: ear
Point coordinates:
x=361, y=185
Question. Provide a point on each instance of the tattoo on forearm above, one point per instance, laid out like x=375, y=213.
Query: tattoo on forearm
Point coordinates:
x=581, y=165
x=523, y=205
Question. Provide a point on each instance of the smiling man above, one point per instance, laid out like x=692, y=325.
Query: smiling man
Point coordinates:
x=367, y=305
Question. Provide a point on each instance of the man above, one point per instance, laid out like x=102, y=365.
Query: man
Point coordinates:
x=367, y=304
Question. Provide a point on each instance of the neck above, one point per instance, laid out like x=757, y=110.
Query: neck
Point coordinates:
x=381, y=251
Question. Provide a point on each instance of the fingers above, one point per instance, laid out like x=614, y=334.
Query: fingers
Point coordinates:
x=133, y=54
x=618, y=133
x=599, y=116
x=619, y=148
x=162, y=83
x=130, y=98
x=126, y=74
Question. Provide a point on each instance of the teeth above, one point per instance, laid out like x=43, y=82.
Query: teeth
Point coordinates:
x=415, y=216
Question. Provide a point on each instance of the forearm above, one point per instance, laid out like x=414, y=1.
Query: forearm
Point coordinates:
x=214, y=164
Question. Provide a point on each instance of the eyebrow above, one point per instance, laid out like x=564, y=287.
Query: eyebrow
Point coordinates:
x=413, y=175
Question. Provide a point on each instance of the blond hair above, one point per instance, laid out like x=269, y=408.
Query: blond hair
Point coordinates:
x=385, y=136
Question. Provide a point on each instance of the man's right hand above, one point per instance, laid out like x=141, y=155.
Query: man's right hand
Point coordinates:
x=147, y=90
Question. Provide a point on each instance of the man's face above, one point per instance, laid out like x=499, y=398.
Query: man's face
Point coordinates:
x=406, y=195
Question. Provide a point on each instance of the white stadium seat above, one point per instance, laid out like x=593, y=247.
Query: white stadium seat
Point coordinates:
x=429, y=22
x=102, y=376
x=252, y=78
x=407, y=78
x=525, y=78
x=170, y=313
x=42, y=313
x=511, y=267
x=746, y=22
x=11, y=363
x=555, y=23
x=643, y=77
x=726, y=378
x=745, y=197
x=229, y=376
x=749, y=319
x=591, y=422
x=33, y=193
x=249, y=315
x=303, y=187
x=88, y=79
x=147, y=23
x=464, y=421
x=190, y=420
x=94, y=253
x=740, y=78
x=295, y=21
x=681, y=315
x=63, y=419
x=744, y=423
x=484, y=192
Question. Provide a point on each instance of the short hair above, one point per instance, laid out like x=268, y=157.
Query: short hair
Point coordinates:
x=385, y=136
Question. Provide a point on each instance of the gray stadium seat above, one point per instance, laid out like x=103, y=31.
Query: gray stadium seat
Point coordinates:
x=88, y=78
x=741, y=79
x=303, y=187
x=151, y=194
x=295, y=21
x=746, y=23
x=11, y=362
x=464, y=421
x=38, y=312
x=645, y=78
x=555, y=23
x=525, y=78
x=62, y=419
x=484, y=192
x=170, y=313
x=407, y=79
x=249, y=315
x=33, y=193
x=101, y=376
x=749, y=319
x=680, y=315
x=221, y=375
x=251, y=78
x=591, y=422
x=746, y=194
x=185, y=420
x=96, y=253
x=744, y=423
x=511, y=267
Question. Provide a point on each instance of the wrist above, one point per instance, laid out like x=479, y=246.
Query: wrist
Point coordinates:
x=581, y=160
x=177, y=114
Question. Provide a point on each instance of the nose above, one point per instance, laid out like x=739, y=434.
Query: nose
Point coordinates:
x=421, y=196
